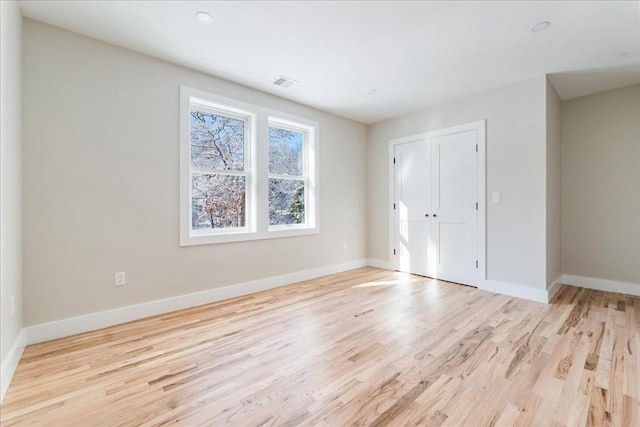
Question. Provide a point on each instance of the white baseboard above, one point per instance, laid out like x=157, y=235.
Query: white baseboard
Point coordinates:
x=378, y=263
x=11, y=361
x=89, y=322
x=520, y=291
x=602, y=284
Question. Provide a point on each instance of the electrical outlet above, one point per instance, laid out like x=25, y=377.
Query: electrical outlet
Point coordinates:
x=497, y=197
x=120, y=279
x=13, y=305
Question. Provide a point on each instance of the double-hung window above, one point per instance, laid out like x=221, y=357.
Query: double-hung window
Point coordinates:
x=247, y=172
x=219, y=169
x=288, y=174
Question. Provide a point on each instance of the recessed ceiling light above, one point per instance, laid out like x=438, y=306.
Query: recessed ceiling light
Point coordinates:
x=540, y=26
x=372, y=91
x=204, y=17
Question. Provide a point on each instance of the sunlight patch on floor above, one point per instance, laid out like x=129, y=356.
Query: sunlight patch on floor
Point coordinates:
x=388, y=283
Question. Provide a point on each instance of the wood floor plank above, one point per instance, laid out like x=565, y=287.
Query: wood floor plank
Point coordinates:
x=367, y=347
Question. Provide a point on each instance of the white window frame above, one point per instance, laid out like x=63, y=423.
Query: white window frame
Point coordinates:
x=308, y=172
x=256, y=158
x=247, y=172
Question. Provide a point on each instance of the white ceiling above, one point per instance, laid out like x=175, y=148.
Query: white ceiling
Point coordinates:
x=415, y=54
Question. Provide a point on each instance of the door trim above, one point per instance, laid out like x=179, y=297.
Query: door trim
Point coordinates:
x=480, y=128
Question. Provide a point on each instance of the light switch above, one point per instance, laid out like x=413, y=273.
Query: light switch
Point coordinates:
x=496, y=197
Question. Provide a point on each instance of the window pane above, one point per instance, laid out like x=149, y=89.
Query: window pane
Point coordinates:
x=286, y=201
x=217, y=201
x=217, y=142
x=285, y=151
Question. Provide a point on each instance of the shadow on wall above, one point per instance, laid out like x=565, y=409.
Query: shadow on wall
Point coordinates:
x=573, y=84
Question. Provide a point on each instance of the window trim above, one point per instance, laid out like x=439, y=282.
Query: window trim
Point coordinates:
x=256, y=169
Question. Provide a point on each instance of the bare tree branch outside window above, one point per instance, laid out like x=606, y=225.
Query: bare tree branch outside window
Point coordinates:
x=218, y=199
x=287, y=180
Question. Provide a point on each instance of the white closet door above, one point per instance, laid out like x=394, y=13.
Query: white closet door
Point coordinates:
x=454, y=187
x=412, y=205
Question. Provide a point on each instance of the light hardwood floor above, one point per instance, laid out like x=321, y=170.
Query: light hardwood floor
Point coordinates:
x=366, y=347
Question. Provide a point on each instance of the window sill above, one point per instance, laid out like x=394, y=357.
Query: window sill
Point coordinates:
x=244, y=236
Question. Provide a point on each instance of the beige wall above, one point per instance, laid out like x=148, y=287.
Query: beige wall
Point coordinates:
x=554, y=186
x=101, y=179
x=10, y=176
x=601, y=185
x=516, y=159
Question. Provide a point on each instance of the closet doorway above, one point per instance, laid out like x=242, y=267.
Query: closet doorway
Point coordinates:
x=437, y=192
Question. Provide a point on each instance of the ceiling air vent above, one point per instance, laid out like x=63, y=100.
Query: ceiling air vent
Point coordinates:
x=283, y=81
